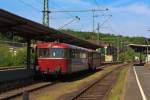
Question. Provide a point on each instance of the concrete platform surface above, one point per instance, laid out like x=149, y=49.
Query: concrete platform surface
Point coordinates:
x=138, y=84
x=8, y=75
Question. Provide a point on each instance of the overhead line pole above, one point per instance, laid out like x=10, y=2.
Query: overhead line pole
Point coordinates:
x=93, y=11
x=46, y=13
x=98, y=29
x=99, y=26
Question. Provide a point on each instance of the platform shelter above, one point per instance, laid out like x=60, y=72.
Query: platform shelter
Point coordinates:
x=145, y=49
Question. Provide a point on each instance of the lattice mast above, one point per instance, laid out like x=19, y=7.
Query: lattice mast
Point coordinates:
x=46, y=13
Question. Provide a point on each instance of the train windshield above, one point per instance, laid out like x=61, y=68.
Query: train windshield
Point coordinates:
x=57, y=53
x=43, y=52
x=52, y=52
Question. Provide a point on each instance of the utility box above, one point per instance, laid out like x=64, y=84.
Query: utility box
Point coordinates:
x=108, y=58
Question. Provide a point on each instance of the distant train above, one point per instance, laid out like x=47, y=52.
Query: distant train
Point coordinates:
x=62, y=58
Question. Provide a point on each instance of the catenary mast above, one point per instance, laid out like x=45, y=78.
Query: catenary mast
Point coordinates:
x=46, y=13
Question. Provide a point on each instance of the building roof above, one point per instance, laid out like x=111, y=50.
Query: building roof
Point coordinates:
x=11, y=23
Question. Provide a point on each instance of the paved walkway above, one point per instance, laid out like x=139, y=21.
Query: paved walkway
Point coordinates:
x=138, y=84
x=13, y=74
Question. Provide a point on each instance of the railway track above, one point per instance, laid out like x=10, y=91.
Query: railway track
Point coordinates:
x=28, y=89
x=99, y=89
x=40, y=85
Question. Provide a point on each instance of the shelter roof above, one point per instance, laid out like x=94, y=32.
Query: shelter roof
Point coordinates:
x=11, y=23
x=139, y=47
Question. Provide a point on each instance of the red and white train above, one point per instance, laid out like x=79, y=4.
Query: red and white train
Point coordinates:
x=62, y=58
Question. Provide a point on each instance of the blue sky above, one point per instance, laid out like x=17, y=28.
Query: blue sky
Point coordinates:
x=129, y=17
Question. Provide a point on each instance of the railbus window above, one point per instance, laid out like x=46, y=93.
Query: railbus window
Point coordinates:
x=73, y=53
x=43, y=52
x=58, y=52
x=83, y=54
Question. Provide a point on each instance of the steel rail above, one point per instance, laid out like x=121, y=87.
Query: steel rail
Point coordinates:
x=89, y=86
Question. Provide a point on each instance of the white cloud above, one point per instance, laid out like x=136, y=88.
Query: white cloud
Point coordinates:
x=142, y=9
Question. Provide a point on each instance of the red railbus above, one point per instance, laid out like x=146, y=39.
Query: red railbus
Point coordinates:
x=62, y=58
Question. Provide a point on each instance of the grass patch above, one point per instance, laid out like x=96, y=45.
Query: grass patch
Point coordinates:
x=70, y=87
x=117, y=90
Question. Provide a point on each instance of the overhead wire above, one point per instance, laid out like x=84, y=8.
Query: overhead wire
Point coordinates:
x=54, y=5
x=77, y=18
x=60, y=18
x=111, y=28
x=96, y=3
x=105, y=21
x=64, y=12
x=38, y=10
x=40, y=1
x=29, y=5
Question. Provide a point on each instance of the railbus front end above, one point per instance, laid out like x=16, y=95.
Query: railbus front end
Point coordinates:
x=52, y=59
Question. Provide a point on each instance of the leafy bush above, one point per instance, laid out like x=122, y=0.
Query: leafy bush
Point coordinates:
x=20, y=57
x=129, y=55
x=8, y=58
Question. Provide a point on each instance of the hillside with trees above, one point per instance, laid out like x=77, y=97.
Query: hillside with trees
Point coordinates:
x=118, y=41
x=105, y=37
x=8, y=58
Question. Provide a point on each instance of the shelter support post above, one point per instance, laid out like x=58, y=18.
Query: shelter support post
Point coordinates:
x=140, y=57
x=147, y=53
x=28, y=53
x=35, y=58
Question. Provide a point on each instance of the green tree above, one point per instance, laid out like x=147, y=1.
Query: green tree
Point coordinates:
x=128, y=55
x=20, y=57
x=6, y=58
x=9, y=58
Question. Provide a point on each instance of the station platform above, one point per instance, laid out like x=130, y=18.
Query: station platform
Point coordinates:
x=137, y=84
x=14, y=74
